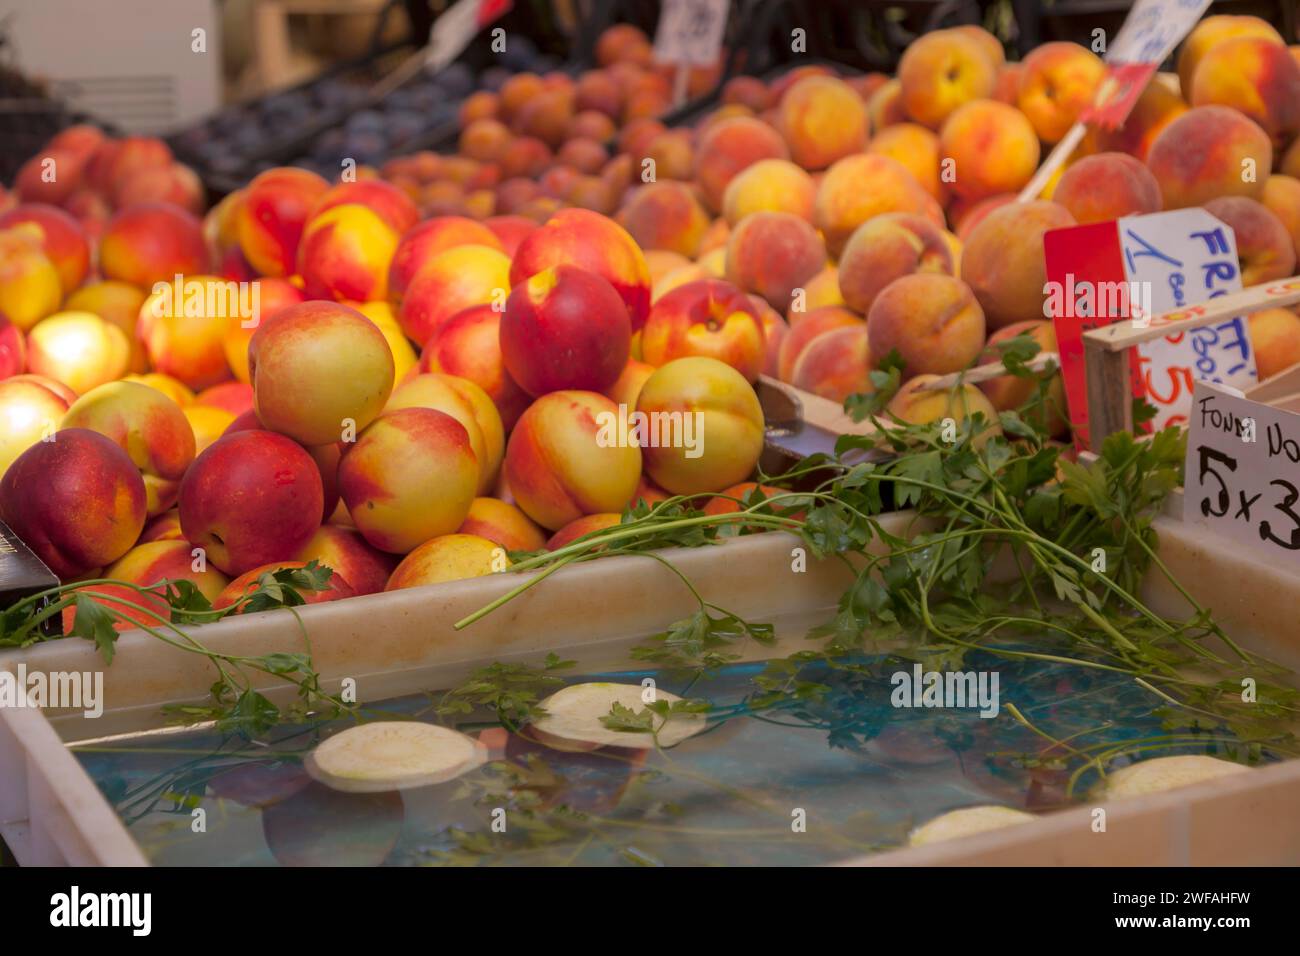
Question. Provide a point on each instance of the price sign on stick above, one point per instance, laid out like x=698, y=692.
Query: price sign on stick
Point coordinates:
x=690, y=31
x=1243, y=472
x=1149, y=34
x=1137, y=267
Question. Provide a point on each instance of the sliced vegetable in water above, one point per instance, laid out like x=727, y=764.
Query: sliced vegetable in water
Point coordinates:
x=1168, y=773
x=393, y=755
x=965, y=822
x=587, y=716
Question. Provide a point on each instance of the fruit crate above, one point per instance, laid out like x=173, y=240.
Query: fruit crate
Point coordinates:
x=403, y=643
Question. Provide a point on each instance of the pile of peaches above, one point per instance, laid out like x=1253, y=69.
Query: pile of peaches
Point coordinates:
x=326, y=371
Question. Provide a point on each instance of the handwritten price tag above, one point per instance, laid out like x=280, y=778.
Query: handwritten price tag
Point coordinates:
x=690, y=31
x=1185, y=257
x=1243, y=472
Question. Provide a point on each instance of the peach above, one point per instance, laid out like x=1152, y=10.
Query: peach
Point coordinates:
x=992, y=146
x=320, y=370
x=382, y=315
x=31, y=408
x=822, y=120
x=62, y=240
x=1010, y=392
x=774, y=254
x=208, y=423
x=564, y=328
x=1264, y=247
x=885, y=106
x=338, y=586
x=585, y=525
x=1003, y=260
x=1207, y=152
x=176, y=185
x=1057, y=83
x=769, y=185
x=917, y=149
x=150, y=563
x=933, y=321
x=422, y=244
x=941, y=71
x=183, y=329
x=714, y=263
x=627, y=386
x=917, y=406
x=673, y=153
x=132, y=155
x=809, y=326
x=455, y=280
x=1156, y=108
x=729, y=147
x=273, y=295
x=568, y=456
x=1256, y=76
x=706, y=318
x=253, y=497
x=716, y=402
x=1275, y=335
x=485, y=139
x=30, y=288
x=77, y=501
x=1106, y=186
x=173, y=388
x=885, y=248
x=747, y=90
x=468, y=346
x=233, y=397
x=117, y=303
x=276, y=207
x=967, y=214
x=1211, y=32
x=346, y=552
x=665, y=215
x=165, y=527
x=345, y=253
x=469, y=405
x=79, y=349
x=504, y=524
x=152, y=242
x=13, y=349
x=662, y=263
x=410, y=476
x=836, y=364
x=51, y=176
x=1281, y=196
x=448, y=557
x=384, y=199
x=579, y=237
x=148, y=426
x=823, y=289
x=510, y=231
x=859, y=187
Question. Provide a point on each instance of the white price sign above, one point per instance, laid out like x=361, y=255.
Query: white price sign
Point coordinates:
x=690, y=31
x=1243, y=472
x=1178, y=258
x=1153, y=28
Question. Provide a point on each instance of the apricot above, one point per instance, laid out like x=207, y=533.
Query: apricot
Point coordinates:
x=822, y=120
x=886, y=248
x=809, y=326
x=63, y=240
x=30, y=288
x=365, y=568
x=345, y=253
x=453, y=281
x=1003, y=260
x=1058, y=81
x=468, y=346
x=448, y=557
x=709, y=318
x=665, y=215
x=769, y=185
x=469, y=405
x=503, y=524
x=917, y=149
x=79, y=349
x=992, y=146
x=836, y=364
x=941, y=71
x=117, y=303
x=31, y=408
x=579, y=527
x=859, y=187
x=277, y=205
x=184, y=328
x=1207, y=152
x=727, y=148
x=773, y=254
x=422, y=244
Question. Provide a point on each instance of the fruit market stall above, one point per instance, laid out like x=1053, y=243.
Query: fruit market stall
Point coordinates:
x=704, y=445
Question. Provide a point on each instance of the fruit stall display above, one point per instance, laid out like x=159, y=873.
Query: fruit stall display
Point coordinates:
x=443, y=368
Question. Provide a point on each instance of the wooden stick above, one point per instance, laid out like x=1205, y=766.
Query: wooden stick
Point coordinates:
x=1127, y=333
x=1055, y=159
x=1110, y=391
x=982, y=373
